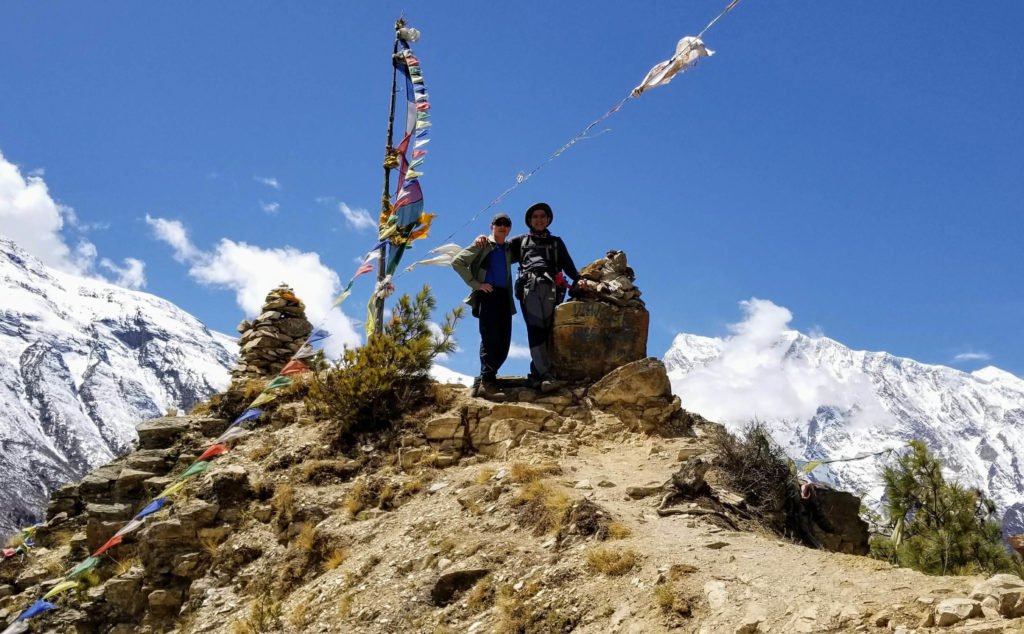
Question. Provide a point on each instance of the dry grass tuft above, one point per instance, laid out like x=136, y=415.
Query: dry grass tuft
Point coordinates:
x=283, y=502
x=258, y=451
x=370, y=493
x=328, y=471
x=299, y=615
x=413, y=486
x=209, y=543
x=481, y=596
x=306, y=539
x=345, y=604
x=484, y=475
x=517, y=616
x=542, y=507
x=618, y=530
x=611, y=562
x=335, y=558
x=669, y=601
x=264, y=616
x=122, y=566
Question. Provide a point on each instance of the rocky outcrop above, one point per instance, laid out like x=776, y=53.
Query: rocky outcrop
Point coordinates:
x=640, y=394
x=606, y=324
x=270, y=340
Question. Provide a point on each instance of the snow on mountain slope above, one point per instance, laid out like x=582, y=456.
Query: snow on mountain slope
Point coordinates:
x=81, y=363
x=822, y=400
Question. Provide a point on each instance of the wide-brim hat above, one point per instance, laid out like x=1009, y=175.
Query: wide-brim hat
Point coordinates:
x=546, y=207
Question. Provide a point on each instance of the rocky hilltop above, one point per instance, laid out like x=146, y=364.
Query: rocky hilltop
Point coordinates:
x=81, y=363
x=598, y=508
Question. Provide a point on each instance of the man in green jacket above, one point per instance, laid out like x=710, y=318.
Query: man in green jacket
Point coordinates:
x=486, y=267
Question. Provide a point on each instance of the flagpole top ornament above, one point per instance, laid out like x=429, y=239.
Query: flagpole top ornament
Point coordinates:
x=408, y=34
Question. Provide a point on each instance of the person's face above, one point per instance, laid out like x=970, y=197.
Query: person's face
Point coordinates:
x=538, y=220
x=500, y=230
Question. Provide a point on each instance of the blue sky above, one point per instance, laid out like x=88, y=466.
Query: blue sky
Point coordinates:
x=859, y=163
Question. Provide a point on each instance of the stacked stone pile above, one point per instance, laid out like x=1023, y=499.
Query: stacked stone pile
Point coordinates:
x=270, y=340
x=608, y=280
x=605, y=327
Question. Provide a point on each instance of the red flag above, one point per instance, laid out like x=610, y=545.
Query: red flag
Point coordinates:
x=213, y=450
x=113, y=541
x=294, y=367
x=365, y=268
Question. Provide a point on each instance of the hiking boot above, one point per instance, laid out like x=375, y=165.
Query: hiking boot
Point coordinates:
x=549, y=384
x=490, y=391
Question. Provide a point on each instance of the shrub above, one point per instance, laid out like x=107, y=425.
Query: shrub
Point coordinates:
x=754, y=466
x=371, y=386
x=938, y=527
x=611, y=562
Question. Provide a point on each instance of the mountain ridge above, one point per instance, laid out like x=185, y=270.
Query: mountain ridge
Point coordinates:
x=81, y=362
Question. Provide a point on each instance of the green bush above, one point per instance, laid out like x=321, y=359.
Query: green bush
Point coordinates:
x=938, y=527
x=371, y=386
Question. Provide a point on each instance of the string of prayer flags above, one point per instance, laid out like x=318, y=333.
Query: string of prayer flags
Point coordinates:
x=248, y=414
x=152, y=507
x=35, y=609
x=87, y=564
x=61, y=588
x=445, y=254
x=129, y=528
x=294, y=367
x=688, y=51
x=195, y=469
x=113, y=541
x=172, y=489
x=213, y=451
x=233, y=434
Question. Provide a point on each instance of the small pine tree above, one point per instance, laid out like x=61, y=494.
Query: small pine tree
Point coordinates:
x=371, y=386
x=938, y=527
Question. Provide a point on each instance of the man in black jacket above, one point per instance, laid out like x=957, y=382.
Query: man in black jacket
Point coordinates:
x=542, y=259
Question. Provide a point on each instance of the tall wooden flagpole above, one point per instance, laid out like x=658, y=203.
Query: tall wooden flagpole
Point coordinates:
x=389, y=164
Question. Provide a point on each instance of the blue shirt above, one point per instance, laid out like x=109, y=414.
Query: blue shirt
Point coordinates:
x=497, y=273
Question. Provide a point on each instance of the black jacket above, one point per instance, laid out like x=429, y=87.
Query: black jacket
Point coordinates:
x=542, y=254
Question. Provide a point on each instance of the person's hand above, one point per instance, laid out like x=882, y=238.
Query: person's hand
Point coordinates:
x=481, y=240
x=485, y=287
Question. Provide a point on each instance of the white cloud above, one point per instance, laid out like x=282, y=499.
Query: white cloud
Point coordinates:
x=972, y=356
x=269, y=181
x=174, y=233
x=131, y=275
x=270, y=208
x=754, y=377
x=357, y=218
x=33, y=219
x=251, y=271
x=30, y=217
x=518, y=351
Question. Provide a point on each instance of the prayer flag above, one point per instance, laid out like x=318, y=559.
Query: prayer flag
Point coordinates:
x=294, y=367
x=195, y=469
x=152, y=507
x=128, y=528
x=688, y=51
x=87, y=564
x=36, y=609
x=113, y=541
x=63, y=586
x=233, y=434
x=279, y=382
x=263, y=399
x=248, y=414
x=213, y=451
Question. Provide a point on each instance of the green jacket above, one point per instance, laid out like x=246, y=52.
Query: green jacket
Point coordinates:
x=468, y=264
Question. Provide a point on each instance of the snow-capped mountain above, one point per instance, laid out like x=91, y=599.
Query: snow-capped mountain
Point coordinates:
x=822, y=400
x=81, y=363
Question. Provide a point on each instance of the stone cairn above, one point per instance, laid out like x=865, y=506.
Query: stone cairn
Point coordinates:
x=604, y=327
x=270, y=340
x=609, y=280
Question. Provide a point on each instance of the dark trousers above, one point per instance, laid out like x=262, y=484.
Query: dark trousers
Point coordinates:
x=495, y=331
x=538, y=307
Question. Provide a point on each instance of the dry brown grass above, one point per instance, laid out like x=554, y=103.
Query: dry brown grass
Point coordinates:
x=345, y=604
x=357, y=498
x=484, y=475
x=122, y=566
x=283, y=502
x=542, y=506
x=328, y=471
x=370, y=493
x=258, y=451
x=412, y=486
x=335, y=558
x=306, y=539
x=517, y=616
x=611, y=562
x=670, y=601
x=299, y=615
x=481, y=595
x=264, y=616
x=618, y=530
x=210, y=544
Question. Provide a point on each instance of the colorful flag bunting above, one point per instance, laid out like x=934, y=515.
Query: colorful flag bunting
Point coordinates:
x=61, y=587
x=213, y=451
x=130, y=527
x=152, y=507
x=233, y=434
x=36, y=609
x=279, y=382
x=195, y=469
x=87, y=564
x=263, y=399
x=294, y=367
x=113, y=541
x=174, y=488
x=248, y=414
